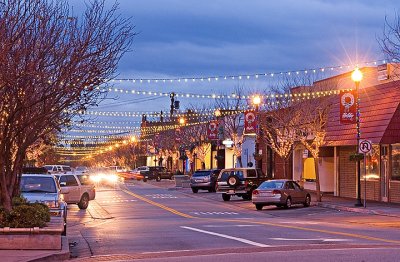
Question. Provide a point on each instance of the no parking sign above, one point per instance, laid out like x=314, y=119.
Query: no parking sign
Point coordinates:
x=364, y=146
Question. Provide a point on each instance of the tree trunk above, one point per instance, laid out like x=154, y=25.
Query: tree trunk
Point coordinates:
x=317, y=184
x=239, y=158
x=284, y=168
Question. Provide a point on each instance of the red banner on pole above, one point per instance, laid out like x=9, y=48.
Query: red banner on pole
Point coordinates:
x=212, y=130
x=348, y=107
x=178, y=135
x=250, y=122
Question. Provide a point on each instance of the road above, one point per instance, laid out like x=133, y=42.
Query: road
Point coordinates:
x=150, y=222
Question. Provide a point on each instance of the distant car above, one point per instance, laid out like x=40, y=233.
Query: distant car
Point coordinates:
x=151, y=173
x=117, y=169
x=44, y=188
x=58, y=169
x=204, y=179
x=81, y=169
x=77, y=189
x=239, y=181
x=280, y=192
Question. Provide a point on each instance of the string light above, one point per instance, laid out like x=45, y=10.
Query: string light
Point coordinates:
x=250, y=76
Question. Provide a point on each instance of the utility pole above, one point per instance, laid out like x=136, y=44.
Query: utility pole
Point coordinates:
x=171, y=112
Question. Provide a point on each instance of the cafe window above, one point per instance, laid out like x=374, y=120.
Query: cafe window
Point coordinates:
x=395, y=162
x=373, y=167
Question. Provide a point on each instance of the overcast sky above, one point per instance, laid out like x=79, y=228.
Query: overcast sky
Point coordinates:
x=184, y=38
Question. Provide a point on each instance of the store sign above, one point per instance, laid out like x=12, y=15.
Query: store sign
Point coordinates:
x=212, y=130
x=250, y=122
x=348, y=107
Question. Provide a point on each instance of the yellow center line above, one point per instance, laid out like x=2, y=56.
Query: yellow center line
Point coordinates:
x=263, y=223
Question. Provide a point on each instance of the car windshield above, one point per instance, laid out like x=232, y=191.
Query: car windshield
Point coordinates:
x=271, y=184
x=49, y=168
x=37, y=184
x=201, y=173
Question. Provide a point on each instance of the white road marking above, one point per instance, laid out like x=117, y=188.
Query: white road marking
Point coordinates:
x=161, y=196
x=231, y=225
x=249, y=242
x=118, y=201
x=215, y=213
x=312, y=239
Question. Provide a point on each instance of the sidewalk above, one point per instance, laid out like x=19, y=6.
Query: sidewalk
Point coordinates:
x=37, y=255
x=347, y=204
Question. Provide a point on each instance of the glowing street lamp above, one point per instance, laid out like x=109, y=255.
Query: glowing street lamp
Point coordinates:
x=357, y=76
x=182, y=121
x=256, y=102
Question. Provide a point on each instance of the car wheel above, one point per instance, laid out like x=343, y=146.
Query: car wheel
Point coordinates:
x=195, y=190
x=288, y=202
x=226, y=197
x=84, y=202
x=307, y=202
x=259, y=206
x=158, y=178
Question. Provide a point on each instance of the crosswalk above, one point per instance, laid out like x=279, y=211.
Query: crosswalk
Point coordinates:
x=161, y=196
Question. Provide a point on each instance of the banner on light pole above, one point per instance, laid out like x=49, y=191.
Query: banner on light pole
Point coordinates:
x=348, y=107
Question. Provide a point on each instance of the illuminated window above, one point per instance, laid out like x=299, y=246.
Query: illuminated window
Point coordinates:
x=395, y=162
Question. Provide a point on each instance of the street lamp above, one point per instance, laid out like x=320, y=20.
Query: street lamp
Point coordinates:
x=182, y=121
x=357, y=76
x=256, y=102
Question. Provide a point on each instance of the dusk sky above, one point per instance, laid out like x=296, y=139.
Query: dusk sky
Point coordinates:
x=227, y=37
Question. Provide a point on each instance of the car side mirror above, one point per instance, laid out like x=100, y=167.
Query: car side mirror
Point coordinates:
x=64, y=190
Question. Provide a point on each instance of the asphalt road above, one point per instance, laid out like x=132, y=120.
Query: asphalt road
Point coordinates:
x=147, y=221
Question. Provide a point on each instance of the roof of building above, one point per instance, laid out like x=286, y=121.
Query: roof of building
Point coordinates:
x=379, y=120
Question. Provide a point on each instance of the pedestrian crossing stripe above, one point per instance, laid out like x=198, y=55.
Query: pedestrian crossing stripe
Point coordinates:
x=160, y=196
x=215, y=213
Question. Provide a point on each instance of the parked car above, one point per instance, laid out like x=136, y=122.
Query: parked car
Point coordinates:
x=151, y=173
x=204, y=179
x=117, y=169
x=44, y=188
x=77, y=189
x=280, y=192
x=239, y=181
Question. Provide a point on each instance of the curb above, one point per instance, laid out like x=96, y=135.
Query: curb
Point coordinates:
x=355, y=210
x=61, y=255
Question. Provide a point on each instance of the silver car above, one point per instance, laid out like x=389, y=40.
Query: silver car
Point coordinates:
x=44, y=189
x=280, y=192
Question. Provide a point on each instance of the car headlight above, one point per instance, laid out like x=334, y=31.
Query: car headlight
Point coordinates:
x=95, y=179
x=51, y=203
x=112, y=178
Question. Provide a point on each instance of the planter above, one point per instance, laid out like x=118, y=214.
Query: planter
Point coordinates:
x=47, y=238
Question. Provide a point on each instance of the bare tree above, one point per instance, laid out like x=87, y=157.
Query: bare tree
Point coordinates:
x=312, y=132
x=279, y=123
x=390, y=41
x=229, y=110
x=50, y=67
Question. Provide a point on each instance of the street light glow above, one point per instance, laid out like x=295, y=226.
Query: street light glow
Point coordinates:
x=182, y=121
x=357, y=75
x=217, y=113
x=256, y=100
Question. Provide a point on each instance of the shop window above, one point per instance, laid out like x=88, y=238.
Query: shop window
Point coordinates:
x=309, y=169
x=373, y=167
x=395, y=162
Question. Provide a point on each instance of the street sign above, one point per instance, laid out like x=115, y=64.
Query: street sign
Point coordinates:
x=365, y=146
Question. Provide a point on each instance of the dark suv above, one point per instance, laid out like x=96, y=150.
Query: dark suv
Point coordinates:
x=204, y=179
x=155, y=172
x=239, y=181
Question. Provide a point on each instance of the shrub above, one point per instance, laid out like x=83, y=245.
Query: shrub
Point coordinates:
x=25, y=215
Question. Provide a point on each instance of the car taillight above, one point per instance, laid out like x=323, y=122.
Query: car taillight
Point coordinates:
x=256, y=192
x=276, y=192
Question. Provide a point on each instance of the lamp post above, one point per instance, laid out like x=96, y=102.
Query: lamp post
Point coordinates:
x=256, y=102
x=357, y=76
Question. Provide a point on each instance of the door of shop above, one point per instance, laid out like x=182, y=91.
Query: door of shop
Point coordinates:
x=384, y=173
